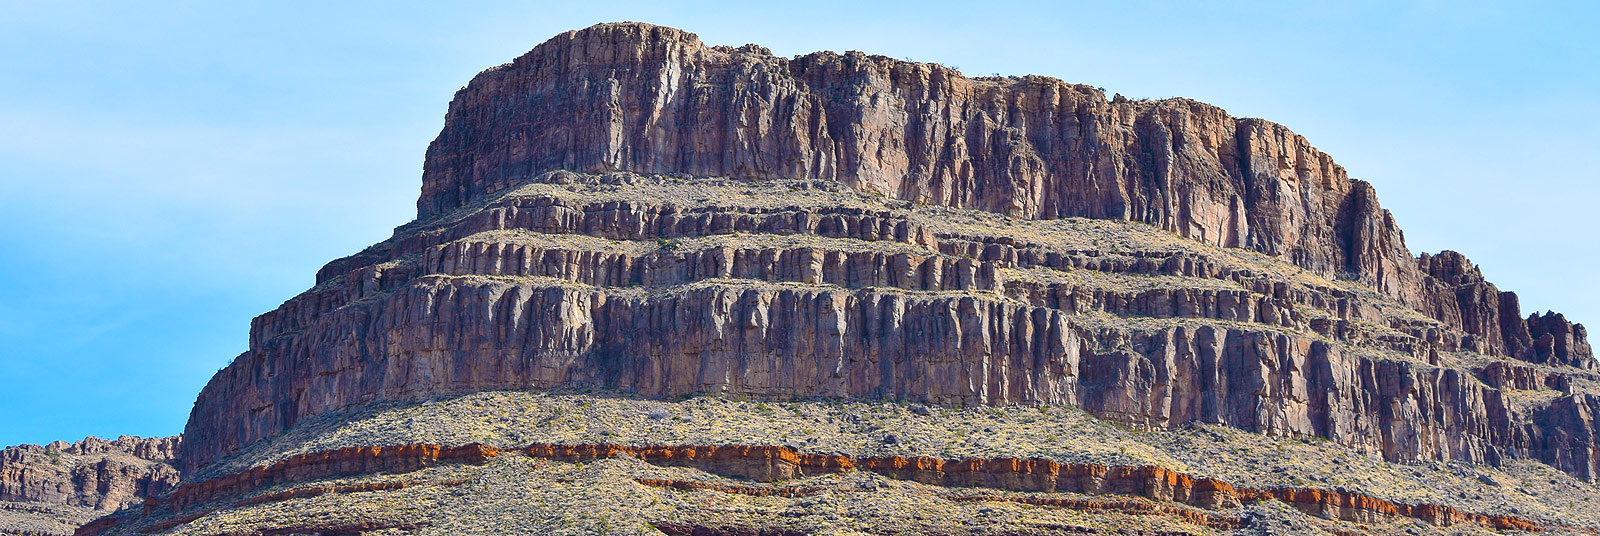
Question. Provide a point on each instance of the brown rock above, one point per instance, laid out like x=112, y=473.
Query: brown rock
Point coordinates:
x=651, y=99
x=94, y=473
x=495, y=288
x=48, y=490
x=772, y=463
x=319, y=465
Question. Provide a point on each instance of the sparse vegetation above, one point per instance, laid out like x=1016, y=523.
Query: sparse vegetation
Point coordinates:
x=1097, y=261
x=1062, y=433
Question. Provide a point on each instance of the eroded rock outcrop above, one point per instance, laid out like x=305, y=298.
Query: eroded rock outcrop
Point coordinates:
x=651, y=99
x=769, y=463
x=50, y=489
x=656, y=100
x=1457, y=294
x=93, y=473
x=855, y=303
x=835, y=263
x=774, y=463
x=319, y=465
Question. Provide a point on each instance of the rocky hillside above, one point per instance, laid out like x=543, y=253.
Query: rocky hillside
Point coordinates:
x=915, y=234
x=51, y=489
x=627, y=209
x=563, y=462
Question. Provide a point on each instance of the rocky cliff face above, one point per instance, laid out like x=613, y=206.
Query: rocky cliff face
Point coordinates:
x=68, y=483
x=95, y=473
x=650, y=99
x=655, y=100
x=891, y=229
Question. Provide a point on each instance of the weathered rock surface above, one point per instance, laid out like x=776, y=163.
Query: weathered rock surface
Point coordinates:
x=51, y=488
x=651, y=99
x=655, y=100
x=1458, y=295
x=94, y=473
x=772, y=463
x=319, y=465
x=840, y=267
x=864, y=303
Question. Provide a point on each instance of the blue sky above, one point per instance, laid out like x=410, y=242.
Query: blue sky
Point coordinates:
x=169, y=172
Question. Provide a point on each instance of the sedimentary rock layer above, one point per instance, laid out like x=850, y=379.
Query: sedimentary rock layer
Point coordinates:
x=93, y=473
x=773, y=463
x=346, y=461
x=768, y=463
x=552, y=290
x=840, y=267
x=656, y=100
x=651, y=99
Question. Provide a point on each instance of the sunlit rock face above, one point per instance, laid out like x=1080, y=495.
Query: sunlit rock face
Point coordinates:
x=47, y=490
x=625, y=207
x=656, y=100
x=94, y=473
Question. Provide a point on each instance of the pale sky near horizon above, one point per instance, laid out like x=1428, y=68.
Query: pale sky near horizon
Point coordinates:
x=170, y=172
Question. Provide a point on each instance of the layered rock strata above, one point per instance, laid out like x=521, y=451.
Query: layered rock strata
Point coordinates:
x=769, y=463
x=773, y=463
x=790, y=289
x=346, y=461
x=839, y=265
x=656, y=100
x=48, y=489
x=651, y=99
x=94, y=473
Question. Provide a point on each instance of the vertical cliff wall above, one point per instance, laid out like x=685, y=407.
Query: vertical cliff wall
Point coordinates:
x=49, y=489
x=656, y=100
x=893, y=229
x=94, y=473
x=652, y=99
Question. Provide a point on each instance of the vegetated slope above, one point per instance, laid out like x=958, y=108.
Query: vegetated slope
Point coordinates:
x=627, y=208
x=546, y=461
x=51, y=489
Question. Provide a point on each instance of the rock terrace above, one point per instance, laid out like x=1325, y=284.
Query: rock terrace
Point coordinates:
x=626, y=208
